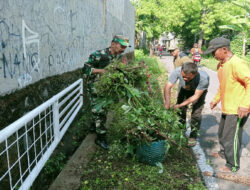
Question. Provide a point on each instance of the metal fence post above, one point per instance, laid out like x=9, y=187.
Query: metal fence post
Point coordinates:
x=56, y=120
x=81, y=91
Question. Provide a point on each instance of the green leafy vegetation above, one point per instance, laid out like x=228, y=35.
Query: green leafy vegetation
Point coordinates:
x=235, y=46
x=134, y=116
x=55, y=165
x=109, y=170
x=70, y=142
x=240, y=23
x=194, y=21
x=209, y=62
x=138, y=111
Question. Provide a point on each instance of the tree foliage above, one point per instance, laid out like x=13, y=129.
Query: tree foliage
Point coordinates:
x=150, y=17
x=241, y=23
x=191, y=20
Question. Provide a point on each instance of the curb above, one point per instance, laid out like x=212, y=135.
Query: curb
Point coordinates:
x=210, y=182
x=70, y=176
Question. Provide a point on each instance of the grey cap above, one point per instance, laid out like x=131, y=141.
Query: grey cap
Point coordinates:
x=216, y=43
x=172, y=47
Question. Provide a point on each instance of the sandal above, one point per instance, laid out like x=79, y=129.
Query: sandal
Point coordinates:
x=216, y=155
x=191, y=142
x=225, y=169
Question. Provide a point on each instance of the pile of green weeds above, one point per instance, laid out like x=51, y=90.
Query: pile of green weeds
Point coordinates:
x=118, y=168
x=132, y=96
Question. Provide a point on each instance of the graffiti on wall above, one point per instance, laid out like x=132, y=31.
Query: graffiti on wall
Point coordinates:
x=9, y=61
x=53, y=37
x=29, y=39
x=20, y=53
x=13, y=62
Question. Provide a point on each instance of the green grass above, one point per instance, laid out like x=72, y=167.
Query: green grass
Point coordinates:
x=247, y=59
x=154, y=68
x=107, y=171
x=211, y=63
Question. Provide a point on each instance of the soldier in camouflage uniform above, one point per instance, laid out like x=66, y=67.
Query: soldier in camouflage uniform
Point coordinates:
x=92, y=69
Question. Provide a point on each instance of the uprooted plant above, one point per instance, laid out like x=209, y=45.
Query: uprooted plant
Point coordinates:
x=138, y=116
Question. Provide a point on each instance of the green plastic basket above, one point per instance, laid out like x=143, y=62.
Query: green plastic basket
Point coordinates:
x=151, y=153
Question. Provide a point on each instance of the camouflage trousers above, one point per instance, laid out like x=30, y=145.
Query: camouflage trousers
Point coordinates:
x=99, y=115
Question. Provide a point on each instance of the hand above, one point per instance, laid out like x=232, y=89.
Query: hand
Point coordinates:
x=150, y=90
x=98, y=71
x=167, y=106
x=176, y=106
x=102, y=71
x=213, y=105
x=242, y=112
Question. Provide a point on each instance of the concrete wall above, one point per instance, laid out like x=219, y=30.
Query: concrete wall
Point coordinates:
x=43, y=46
x=44, y=38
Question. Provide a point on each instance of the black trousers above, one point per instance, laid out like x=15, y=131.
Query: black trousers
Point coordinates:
x=196, y=110
x=230, y=141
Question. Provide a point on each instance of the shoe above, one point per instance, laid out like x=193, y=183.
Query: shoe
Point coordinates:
x=92, y=128
x=191, y=142
x=102, y=143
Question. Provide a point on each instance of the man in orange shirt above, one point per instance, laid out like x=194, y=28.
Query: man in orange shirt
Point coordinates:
x=196, y=54
x=234, y=95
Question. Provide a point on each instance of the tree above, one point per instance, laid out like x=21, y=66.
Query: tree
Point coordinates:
x=193, y=20
x=196, y=20
x=150, y=17
x=241, y=23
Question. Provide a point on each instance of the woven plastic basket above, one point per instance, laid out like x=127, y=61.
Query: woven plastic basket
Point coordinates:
x=151, y=153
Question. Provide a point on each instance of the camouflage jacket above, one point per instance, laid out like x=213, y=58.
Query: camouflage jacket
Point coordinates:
x=98, y=60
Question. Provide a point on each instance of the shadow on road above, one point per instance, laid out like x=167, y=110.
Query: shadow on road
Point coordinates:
x=209, y=120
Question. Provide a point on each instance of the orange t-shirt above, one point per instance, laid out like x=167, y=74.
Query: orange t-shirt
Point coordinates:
x=234, y=90
x=192, y=51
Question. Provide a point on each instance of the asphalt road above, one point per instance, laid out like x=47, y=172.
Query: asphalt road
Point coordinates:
x=208, y=139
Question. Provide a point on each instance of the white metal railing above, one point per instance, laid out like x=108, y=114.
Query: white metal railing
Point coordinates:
x=27, y=144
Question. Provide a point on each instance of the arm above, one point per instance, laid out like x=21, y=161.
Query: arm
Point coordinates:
x=89, y=67
x=243, y=76
x=191, y=99
x=192, y=51
x=97, y=71
x=167, y=94
x=200, y=51
x=216, y=100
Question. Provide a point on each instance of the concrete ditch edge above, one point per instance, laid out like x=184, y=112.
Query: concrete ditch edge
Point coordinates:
x=70, y=176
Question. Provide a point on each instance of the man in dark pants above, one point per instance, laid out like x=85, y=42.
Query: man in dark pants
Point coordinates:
x=92, y=70
x=193, y=89
x=234, y=95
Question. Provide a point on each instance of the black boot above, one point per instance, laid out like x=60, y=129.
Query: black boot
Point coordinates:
x=92, y=128
x=101, y=141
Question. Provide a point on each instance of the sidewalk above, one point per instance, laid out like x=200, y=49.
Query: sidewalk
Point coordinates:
x=208, y=139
